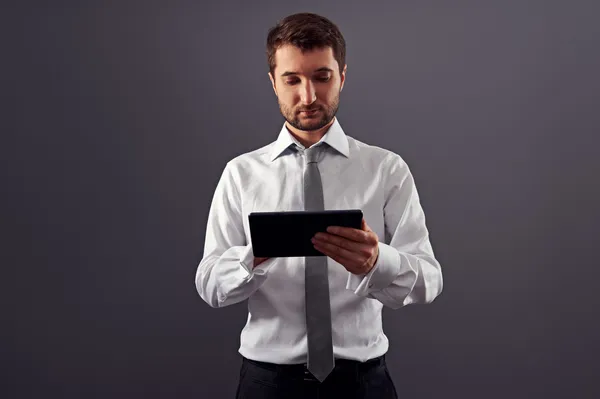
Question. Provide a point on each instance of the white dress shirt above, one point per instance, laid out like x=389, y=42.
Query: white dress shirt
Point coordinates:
x=354, y=175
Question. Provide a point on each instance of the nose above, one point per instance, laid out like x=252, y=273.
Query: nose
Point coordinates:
x=308, y=94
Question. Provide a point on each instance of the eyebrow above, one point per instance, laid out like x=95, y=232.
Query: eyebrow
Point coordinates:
x=322, y=69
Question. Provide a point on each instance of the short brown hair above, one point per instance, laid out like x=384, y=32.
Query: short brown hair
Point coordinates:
x=306, y=31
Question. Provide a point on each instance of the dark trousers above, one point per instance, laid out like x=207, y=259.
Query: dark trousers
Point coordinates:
x=348, y=380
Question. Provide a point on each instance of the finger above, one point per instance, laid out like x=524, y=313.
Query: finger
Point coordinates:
x=348, y=263
x=365, y=226
x=359, y=236
x=336, y=251
x=352, y=246
x=349, y=233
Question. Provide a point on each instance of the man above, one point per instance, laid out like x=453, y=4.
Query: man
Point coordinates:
x=389, y=261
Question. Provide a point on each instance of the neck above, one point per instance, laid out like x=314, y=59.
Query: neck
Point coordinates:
x=309, y=137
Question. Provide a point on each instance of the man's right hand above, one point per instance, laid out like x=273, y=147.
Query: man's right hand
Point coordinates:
x=258, y=261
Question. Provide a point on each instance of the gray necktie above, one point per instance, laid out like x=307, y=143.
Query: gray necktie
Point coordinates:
x=318, y=308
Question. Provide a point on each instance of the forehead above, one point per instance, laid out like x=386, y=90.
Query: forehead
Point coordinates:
x=291, y=58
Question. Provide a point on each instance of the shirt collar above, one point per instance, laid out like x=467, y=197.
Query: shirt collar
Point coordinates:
x=334, y=137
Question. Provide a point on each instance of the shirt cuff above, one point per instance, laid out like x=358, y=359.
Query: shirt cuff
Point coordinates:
x=386, y=269
x=247, y=262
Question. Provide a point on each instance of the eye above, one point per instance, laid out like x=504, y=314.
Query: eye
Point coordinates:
x=324, y=78
x=291, y=82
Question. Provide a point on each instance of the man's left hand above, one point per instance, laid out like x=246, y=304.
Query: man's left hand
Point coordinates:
x=356, y=250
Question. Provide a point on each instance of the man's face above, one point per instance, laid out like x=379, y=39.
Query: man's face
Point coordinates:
x=307, y=86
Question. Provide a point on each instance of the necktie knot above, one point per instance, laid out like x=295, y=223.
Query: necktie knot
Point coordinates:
x=312, y=154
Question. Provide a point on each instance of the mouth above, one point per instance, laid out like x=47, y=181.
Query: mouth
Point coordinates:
x=309, y=112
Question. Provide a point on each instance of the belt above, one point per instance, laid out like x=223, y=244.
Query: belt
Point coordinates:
x=341, y=365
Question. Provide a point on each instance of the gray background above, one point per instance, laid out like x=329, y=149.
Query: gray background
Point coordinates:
x=118, y=118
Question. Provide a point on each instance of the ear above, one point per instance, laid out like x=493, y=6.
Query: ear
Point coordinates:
x=273, y=82
x=343, y=77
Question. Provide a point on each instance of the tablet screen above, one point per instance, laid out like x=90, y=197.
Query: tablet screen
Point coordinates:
x=289, y=233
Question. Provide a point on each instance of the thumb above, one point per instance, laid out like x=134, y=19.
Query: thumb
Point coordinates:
x=364, y=225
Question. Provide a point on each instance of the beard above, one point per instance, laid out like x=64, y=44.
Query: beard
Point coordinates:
x=326, y=113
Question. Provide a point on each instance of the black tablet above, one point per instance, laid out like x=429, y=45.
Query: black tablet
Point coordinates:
x=289, y=233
